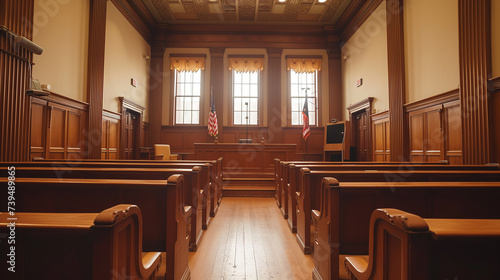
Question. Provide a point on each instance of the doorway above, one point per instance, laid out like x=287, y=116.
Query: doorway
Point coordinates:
x=360, y=125
x=131, y=127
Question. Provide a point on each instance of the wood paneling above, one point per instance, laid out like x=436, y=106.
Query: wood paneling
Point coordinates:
x=397, y=88
x=381, y=137
x=435, y=131
x=16, y=16
x=131, y=128
x=110, y=135
x=335, y=84
x=274, y=75
x=58, y=128
x=360, y=116
x=495, y=115
x=475, y=67
x=95, y=74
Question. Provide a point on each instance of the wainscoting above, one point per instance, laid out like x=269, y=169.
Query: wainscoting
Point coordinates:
x=435, y=128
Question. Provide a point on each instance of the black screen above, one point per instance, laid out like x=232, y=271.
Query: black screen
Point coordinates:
x=335, y=133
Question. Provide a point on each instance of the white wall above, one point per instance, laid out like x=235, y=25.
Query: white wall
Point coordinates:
x=365, y=56
x=61, y=29
x=125, y=58
x=431, y=47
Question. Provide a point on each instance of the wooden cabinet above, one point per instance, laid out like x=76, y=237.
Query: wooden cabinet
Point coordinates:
x=58, y=128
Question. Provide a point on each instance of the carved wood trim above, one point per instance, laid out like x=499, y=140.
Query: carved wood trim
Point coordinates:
x=138, y=16
x=445, y=97
x=63, y=100
x=495, y=84
x=380, y=116
x=111, y=114
x=360, y=16
x=397, y=87
x=361, y=105
x=131, y=105
x=475, y=65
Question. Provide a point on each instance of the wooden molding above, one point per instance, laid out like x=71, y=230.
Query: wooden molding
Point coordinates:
x=361, y=105
x=63, y=100
x=111, y=114
x=138, y=16
x=445, y=97
x=495, y=84
x=131, y=105
x=380, y=116
x=356, y=20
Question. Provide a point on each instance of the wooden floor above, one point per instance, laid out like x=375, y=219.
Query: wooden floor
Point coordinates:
x=249, y=239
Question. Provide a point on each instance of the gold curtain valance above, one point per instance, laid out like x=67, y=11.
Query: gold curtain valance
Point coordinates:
x=303, y=65
x=189, y=64
x=250, y=64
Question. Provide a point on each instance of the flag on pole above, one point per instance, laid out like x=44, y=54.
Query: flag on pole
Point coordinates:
x=213, y=128
x=306, y=131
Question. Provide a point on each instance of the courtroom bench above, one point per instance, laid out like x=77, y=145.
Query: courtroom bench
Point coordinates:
x=210, y=178
x=105, y=245
x=279, y=164
x=166, y=226
x=405, y=246
x=194, y=194
x=291, y=177
x=308, y=195
x=341, y=224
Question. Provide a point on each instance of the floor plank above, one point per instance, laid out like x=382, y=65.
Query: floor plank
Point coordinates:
x=249, y=239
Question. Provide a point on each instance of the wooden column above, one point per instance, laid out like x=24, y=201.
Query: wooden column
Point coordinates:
x=156, y=93
x=16, y=15
x=217, y=82
x=95, y=76
x=274, y=95
x=397, y=88
x=475, y=67
x=335, y=84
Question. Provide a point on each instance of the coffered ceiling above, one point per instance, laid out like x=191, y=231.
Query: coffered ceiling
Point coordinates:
x=262, y=12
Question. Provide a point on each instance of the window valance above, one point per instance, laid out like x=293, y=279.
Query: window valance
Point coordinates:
x=303, y=65
x=250, y=64
x=189, y=64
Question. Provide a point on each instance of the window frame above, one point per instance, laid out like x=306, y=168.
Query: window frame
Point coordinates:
x=318, y=100
x=173, y=106
x=259, y=100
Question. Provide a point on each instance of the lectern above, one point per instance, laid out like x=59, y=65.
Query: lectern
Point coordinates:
x=337, y=140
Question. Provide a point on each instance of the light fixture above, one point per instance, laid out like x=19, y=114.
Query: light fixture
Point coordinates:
x=282, y=1
x=321, y=1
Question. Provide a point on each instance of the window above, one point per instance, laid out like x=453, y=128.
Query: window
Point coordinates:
x=187, y=94
x=300, y=85
x=246, y=87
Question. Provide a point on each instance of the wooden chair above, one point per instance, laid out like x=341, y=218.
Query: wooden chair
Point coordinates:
x=162, y=152
x=106, y=245
x=404, y=246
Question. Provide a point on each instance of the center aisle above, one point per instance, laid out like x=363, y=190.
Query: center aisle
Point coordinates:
x=249, y=239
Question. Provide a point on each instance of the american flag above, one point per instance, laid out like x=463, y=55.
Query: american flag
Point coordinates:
x=306, y=131
x=213, y=128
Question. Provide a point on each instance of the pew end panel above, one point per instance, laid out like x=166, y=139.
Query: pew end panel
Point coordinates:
x=81, y=246
x=405, y=246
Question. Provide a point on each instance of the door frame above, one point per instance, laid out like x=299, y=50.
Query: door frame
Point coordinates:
x=127, y=104
x=364, y=105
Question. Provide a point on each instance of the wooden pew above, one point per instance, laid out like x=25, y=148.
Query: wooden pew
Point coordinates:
x=279, y=165
x=341, y=224
x=309, y=195
x=291, y=177
x=193, y=196
x=106, y=245
x=166, y=218
x=405, y=246
x=216, y=174
x=208, y=177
